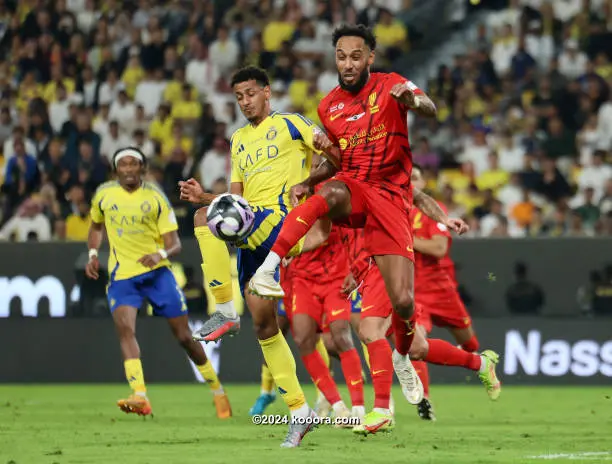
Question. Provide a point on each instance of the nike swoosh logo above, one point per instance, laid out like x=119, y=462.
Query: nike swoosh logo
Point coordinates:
x=335, y=116
x=355, y=382
x=410, y=249
x=299, y=219
x=365, y=308
x=336, y=312
x=379, y=372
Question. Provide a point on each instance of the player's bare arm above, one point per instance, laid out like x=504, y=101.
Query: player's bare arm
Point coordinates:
x=192, y=191
x=172, y=247
x=420, y=104
x=322, y=142
x=431, y=208
x=437, y=246
x=349, y=284
x=94, y=240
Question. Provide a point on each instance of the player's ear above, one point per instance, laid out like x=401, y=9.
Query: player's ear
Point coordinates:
x=267, y=92
x=371, y=57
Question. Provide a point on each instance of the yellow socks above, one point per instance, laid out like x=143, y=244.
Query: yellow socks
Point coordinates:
x=209, y=374
x=134, y=376
x=267, y=381
x=323, y=351
x=216, y=268
x=281, y=363
x=366, y=355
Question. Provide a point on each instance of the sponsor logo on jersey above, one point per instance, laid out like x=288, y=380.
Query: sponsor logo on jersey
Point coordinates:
x=339, y=106
x=356, y=117
x=271, y=135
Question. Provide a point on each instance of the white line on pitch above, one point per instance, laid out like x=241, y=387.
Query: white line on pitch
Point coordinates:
x=586, y=456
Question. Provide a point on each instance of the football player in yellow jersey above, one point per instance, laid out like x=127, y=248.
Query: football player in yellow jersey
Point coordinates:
x=142, y=234
x=269, y=154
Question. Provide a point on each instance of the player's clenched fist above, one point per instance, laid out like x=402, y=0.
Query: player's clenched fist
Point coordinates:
x=92, y=268
x=297, y=192
x=191, y=190
x=321, y=141
x=403, y=93
x=349, y=284
x=459, y=226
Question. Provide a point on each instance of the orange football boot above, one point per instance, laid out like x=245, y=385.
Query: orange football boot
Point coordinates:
x=136, y=404
x=222, y=404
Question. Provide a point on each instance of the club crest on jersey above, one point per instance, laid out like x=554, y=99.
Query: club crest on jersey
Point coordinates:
x=372, y=100
x=271, y=135
x=145, y=207
x=343, y=144
x=339, y=106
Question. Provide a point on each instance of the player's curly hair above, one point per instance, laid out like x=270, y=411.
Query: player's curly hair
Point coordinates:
x=251, y=73
x=352, y=30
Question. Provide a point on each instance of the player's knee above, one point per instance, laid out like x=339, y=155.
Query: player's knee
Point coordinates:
x=342, y=338
x=305, y=342
x=369, y=333
x=403, y=303
x=336, y=194
x=184, y=338
x=199, y=217
x=418, y=349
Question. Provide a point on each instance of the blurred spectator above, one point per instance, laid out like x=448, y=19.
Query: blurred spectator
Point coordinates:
x=22, y=176
x=215, y=164
x=572, y=62
x=552, y=184
x=113, y=141
x=224, y=52
x=77, y=224
x=123, y=111
x=29, y=222
x=493, y=178
x=524, y=296
x=605, y=205
x=589, y=212
x=391, y=35
x=494, y=221
x=596, y=175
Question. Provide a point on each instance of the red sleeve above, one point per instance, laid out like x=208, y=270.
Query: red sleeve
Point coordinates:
x=435, y=228
x=322, y=111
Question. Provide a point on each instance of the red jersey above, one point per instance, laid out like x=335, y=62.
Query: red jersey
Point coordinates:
x=358, y=257
x=431, y=273
x=371, y=130
x=326, y=263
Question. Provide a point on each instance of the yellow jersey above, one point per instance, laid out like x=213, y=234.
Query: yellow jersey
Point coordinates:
x=135, y=223
x=271, y=158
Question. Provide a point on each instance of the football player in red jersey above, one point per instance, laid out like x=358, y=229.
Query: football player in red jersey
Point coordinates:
x=318, y=303
x=436, y=296
x=366, y=122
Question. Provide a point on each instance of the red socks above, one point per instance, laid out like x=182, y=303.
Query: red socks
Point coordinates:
x=298, y=222
x=351, y=368
x=471, y=345
x=443, y=353
x=423, y=373
x=381, y=369
x=321, y=376
x=404, y=333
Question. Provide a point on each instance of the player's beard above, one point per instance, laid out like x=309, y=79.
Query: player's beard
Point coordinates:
x=358, y=85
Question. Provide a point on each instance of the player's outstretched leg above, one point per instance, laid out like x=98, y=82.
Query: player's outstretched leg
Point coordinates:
x=281, y=363
x=466, y=337
x=305, y=336
x=334, y=199
x=124, y=318
x=180, y=328
x=217, y=274
x=441, y=352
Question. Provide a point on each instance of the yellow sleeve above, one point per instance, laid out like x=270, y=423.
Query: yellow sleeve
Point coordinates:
x=302, y=128
x=236, y=171
x=166, y=220
x=96, y=213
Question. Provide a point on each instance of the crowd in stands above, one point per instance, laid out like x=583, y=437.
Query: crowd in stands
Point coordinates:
x=523, y=138
x=521, y=145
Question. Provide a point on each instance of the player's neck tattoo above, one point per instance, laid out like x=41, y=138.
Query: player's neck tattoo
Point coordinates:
x=357, y=86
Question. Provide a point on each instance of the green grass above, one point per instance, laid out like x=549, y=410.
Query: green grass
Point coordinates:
x=81, y=424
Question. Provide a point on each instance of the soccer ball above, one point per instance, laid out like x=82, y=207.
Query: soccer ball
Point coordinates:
x=230, y=218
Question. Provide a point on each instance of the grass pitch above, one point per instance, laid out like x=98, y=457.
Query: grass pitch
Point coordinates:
x=81, y=424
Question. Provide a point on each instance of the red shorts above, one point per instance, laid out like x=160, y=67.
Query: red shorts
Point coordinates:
x=374, y=299
x=384, y=216
x=324, y=302
x=442, y=309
